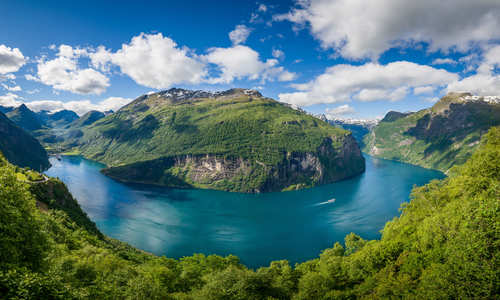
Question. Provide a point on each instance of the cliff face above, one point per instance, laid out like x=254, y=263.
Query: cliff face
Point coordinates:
x=237, y=140
x=296, y=170
x=437, y=138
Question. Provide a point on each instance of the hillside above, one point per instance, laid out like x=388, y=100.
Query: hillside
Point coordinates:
x=359, y=129
x=87, y=119
x=235, y=140
x=19, y=147
x=57, y=119
x=444, y=245
x=25, y=118
x=439, y=137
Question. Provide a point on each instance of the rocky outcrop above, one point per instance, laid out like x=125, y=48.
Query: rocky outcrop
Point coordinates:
x=296, y=170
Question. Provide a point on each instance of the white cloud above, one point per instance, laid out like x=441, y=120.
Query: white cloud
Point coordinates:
x=423, y=90
x=443, y=61
x=486, y=81
x=4, y=77
x=11, y=59
x=341, y=110
x=277, y=53
x=432, y=99
x=63, y=73
x=79, y=106
x=153, y=61
x=239, y=35
x=15, y=88
x=368, y=82
x=262, y=8
x=10, y=100
x=240, y=62
x=359, y=28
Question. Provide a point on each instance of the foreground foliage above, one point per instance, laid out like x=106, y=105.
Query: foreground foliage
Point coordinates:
x=444, y=245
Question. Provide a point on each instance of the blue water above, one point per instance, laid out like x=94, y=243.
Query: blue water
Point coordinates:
x=258, y=228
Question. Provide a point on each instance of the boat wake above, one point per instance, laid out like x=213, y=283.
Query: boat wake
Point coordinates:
x=326, y=202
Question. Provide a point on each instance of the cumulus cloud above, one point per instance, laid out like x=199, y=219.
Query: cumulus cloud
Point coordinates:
x=243, y=62
x=341, y=110
x=10, y=100
x=15, y=88
x=486, y=81
x=423, y=90
x=359, y=28
x=279, y=54
x=239, y=35
x=154, y=61
x=368, y=82
x=444, y=61
x=79, y=106
x=11, y=59
x=63, y=73
x=262, y=8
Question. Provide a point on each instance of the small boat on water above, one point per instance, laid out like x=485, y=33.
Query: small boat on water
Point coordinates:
x=326, y=202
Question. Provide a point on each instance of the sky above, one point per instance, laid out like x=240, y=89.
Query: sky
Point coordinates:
x=344, y=58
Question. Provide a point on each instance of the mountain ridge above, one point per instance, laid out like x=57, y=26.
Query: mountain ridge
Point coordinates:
x=438, y=137
x=249, y=140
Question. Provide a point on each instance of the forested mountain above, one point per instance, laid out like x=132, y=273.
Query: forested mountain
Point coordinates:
x=235, y=140
x=439, y=137
x=57, y=119
x=444, y=245
x=19, y=147
x=25, y=118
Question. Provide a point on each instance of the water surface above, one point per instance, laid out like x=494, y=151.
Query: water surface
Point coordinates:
x=258, y=228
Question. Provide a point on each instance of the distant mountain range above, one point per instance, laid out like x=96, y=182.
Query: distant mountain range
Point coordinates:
x=236, y=140
x=439, y=137
x=32, y=121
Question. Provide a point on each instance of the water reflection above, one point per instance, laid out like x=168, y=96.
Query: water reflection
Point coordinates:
x=257, y=228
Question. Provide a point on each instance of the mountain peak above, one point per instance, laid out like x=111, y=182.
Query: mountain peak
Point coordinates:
x=181, y=94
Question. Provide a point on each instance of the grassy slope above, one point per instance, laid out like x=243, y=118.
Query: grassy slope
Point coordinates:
x=445, y=245
x=258, y=130
x=436, y=144
x=19, y=147
x=249, y=127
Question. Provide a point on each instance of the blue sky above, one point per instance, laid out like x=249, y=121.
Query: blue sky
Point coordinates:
x=345, y=58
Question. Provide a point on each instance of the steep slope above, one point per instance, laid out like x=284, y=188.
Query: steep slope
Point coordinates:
x=445, y=245
x=58, y=119
x=25, y=118
x=235, y=140
x=6, y=109
x=19, y=147
x=437, y=138
x=359, y=129
x=87, y=119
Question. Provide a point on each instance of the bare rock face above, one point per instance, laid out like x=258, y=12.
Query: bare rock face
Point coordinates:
x=296, y=170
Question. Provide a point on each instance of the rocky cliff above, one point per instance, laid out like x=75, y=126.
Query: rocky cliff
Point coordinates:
x=236, y=140
x=296, y=170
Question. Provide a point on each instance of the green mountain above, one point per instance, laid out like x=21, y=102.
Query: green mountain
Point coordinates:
x=87, y=119
x=58, y=119
x=235, y=140
x=439, y=137
x=6, y=109
x=19, y=147
x=25, y=118
x=445, y=245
